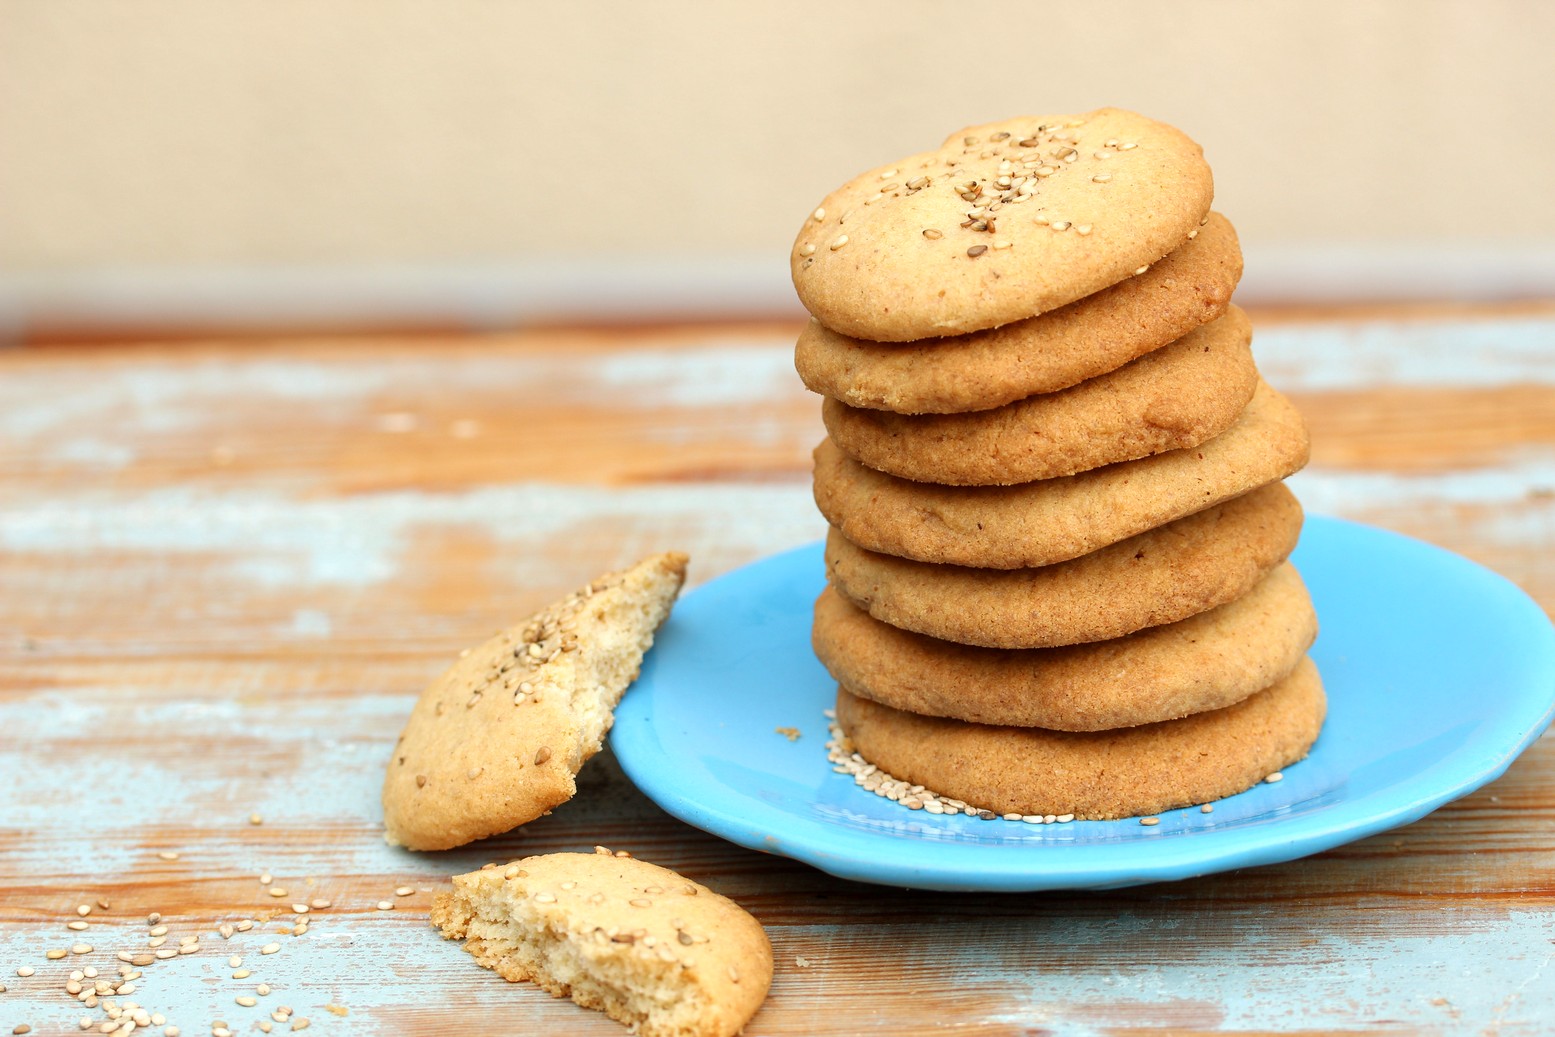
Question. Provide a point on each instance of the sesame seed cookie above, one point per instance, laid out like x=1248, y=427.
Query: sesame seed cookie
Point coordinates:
x=1053, y=351
x=1204, y=662
x=652, y=949
x=1159, y=576
x=498, y=739
x=1094, y=775
x=1174, y=397
x=1053, y=520
x=1002, y=222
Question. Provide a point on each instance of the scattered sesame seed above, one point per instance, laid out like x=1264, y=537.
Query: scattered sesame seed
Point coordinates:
x=166, y=953
x=1149, y=821
x=278, y=891
x=1064, y=819
x=269, y=948
x=25, y=971
x=385, y=905
x=234, y=961
x=84, y=910
x=153, y=918
x=160, y=930
x=241, y=973
x=299, y=909
x=841, y=240
x=54, y=955
x=404, y=891
x=1207, y=808
x=244, y=926
x=318, y=903
x=171, y=1031
x=246, y=1001
x=1276, y=776
x=255, y=819
x=80, y=948
x=168, y=855
x=301, y=1023
x=263, y=990
x=21, y=1028
x=77, y=925
x=265, y=879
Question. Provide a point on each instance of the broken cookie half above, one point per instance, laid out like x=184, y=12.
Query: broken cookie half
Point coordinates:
x=499, y=738
x=664, y=955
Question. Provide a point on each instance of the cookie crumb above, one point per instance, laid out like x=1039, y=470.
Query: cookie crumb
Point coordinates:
x=801, y=961
x=790, y=733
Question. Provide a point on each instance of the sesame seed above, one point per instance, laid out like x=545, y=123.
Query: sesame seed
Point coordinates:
x=241, y=974
x=1149, y=821
x=77, y=926
x=1101, y=178
x=301, y=1023
x=976, y=250
x=542, y=755
x=80, y=948
x=25, y=971
x=299, y=909
x=818, y=215
x=1064, y=819
x=265, y=879
x=640, y=902
x=1207, y=808
x=234, y=961
x=246, y=1001
x=263, y=990
x=841, y=240
x=421, y=781
x=278, y=891
x=932, y=234
x=21, y=1028
x=1127, y=147
x=404, y=891
x=160, y=930
x=1193, y=234
x=545, y=898
x=244, y=926
x=1276, y=776
x=168, y=855
x=1000, y=243
x=153, y=918
x=807, y=249
x=171, y=1031
x=84, y=910
x=1082, y=229
x=1142, y=269
x=269, y=948
x=1060, y=224
x=255, y=819
x=318, y=903
x=55, y=954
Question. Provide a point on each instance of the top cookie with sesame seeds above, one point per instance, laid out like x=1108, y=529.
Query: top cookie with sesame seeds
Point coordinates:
x=1002, y=222
x=648, y=947
x=498, y=739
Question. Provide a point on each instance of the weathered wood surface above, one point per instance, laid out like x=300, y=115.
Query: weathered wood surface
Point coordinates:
x=226, y=569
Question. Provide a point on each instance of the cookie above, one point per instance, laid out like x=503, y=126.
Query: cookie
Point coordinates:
x=1160, y=576
x=988, y=369
x=1002, y=222
x=664, y=955
x=1175, y=397
x=1094, y=775
x=1204, y=662
x=498, y=739
x=1053, y=520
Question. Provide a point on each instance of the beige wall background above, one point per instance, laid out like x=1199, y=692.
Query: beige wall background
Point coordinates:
x=586, y=153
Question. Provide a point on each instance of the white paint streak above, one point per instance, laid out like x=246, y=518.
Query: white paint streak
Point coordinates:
x=359, y=541
x=1417, y=354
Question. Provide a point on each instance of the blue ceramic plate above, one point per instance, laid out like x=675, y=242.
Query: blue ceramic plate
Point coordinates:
x=1438, y=673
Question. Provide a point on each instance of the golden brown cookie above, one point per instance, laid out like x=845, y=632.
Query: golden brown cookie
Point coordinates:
x=1094, y=775
x=987, y=369
x=1160, y=576
x=652, y=949
x=1002, y=222
x=1204, y=662
x=1175, y=397
x=1053, y=520
x=498, y=739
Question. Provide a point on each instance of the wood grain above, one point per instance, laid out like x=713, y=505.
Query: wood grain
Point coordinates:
x=229, y=566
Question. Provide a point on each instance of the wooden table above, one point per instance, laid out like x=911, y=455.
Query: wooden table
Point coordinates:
x=229, y=566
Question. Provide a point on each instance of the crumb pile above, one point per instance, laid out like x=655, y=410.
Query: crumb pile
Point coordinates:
x=1057, y=567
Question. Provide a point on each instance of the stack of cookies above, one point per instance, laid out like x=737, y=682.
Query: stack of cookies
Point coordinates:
x=1057, y=563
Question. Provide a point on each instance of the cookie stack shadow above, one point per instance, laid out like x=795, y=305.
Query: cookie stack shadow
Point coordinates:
x=1057, y=575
